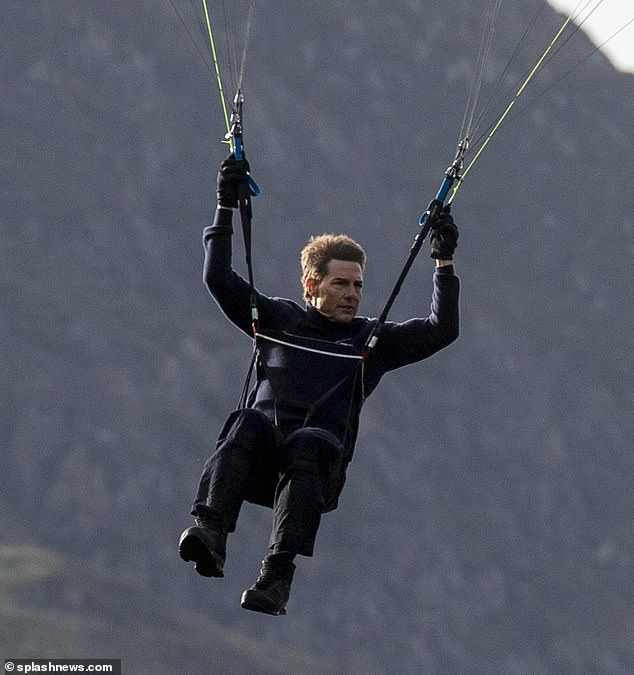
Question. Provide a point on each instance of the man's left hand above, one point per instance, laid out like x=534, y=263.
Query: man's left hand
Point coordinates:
x=443, y=236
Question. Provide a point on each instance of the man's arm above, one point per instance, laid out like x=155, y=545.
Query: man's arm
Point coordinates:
x=232, y=292
x=229, y=289
x=416, y=339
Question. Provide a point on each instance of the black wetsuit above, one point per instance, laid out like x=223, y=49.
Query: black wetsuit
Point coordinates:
x=269, y=453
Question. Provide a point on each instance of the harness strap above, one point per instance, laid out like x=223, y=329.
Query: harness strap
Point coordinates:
x=349, y=376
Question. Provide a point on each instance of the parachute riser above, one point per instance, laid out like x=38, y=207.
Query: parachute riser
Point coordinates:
x=234, y=136
x=451, y=176
x=425, y=222
x=245, y=192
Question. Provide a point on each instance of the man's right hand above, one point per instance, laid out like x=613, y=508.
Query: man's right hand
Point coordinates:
x=233, y=173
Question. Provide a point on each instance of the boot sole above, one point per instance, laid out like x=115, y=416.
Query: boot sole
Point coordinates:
x=192, y=549
x=252, y=600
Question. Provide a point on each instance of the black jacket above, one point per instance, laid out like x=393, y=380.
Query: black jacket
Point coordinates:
x=400, y=343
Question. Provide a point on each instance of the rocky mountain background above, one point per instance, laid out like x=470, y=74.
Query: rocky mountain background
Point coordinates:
x=486, y=526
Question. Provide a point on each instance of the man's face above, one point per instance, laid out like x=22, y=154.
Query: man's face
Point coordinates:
x=338, y=294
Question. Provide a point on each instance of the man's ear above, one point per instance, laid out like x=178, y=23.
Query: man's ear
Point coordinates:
x=312, y=286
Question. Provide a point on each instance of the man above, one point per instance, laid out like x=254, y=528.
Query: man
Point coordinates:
x=289, y=447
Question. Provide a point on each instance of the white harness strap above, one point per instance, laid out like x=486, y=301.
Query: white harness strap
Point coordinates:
x=354, y=357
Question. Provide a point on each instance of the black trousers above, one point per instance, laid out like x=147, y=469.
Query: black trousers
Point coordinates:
x=256, y=462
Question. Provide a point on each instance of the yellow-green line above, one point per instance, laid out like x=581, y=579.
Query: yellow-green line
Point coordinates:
x=512, y=103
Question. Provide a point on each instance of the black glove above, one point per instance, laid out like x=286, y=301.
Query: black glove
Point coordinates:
x=232, y=180
x=443, y=235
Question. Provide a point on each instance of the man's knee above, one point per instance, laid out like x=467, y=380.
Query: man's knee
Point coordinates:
x=246, y=427
x=311, y=449
x=246, y=443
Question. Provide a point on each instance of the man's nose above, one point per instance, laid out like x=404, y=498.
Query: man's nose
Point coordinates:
x=351, y=290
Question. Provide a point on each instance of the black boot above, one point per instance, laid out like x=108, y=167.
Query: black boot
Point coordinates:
x=206, y=546
x=270, y=592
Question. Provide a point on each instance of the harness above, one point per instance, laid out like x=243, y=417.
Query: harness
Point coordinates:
x=313, y=382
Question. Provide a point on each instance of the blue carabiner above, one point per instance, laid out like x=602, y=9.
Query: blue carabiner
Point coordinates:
x=238, y=151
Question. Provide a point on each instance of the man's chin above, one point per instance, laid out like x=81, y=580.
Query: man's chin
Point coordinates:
x=345, y=315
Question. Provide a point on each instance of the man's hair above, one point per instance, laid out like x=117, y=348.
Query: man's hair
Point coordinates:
x=321, y=250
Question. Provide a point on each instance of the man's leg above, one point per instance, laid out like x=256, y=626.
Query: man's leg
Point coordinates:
x=299, y=499
x=246, y=444
x=307, y=456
